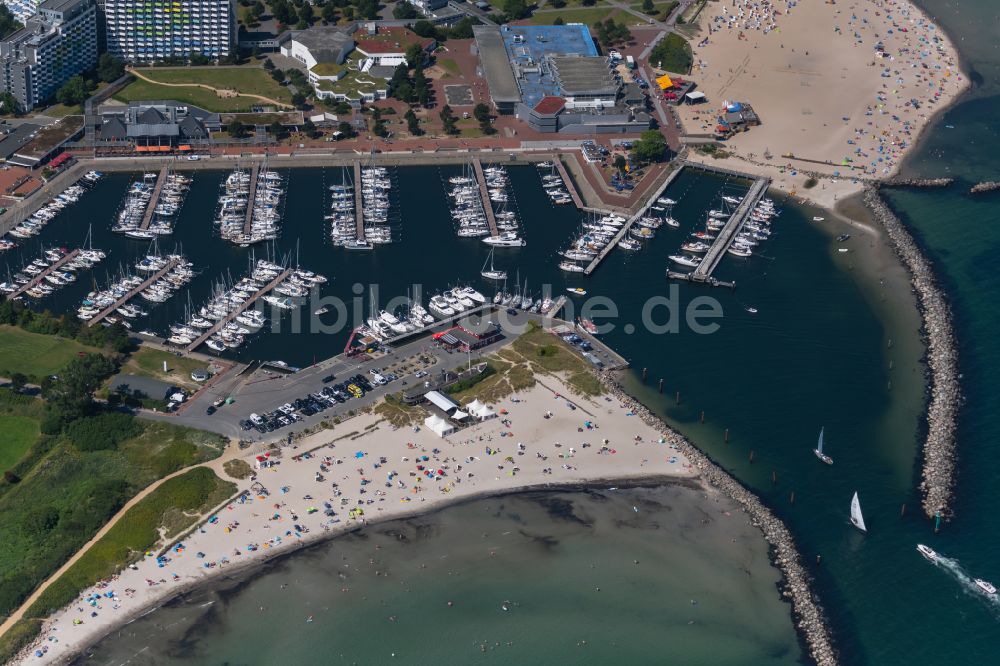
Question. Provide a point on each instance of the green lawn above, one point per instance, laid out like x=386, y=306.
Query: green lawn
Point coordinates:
x=449, y=66
x=206, y=99
x=251, y=79
x=34, y=354
x=148, y=362
x=588, y=15
x=17, y=434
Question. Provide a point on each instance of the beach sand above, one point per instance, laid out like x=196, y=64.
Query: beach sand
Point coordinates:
x=811, y=72
x=541, y=440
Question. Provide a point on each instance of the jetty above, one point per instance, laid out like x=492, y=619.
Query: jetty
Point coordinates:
x=485, y=194
x=161, y=180
x=643, y=209
x=41, y=276
x=569, y=185
x=240, y=310
x=359, y=205
x=135, y=292
x=251, y=199
x=703, y=273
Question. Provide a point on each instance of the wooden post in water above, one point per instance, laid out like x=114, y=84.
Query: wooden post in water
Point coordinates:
x=727, y=435
x=645, y=374
x=791, y=498
x=703, y=416
x=677, y=397
x=902, y=510
x=661, y=386
x=774, y=476
x=751, y=456
x=818, y=558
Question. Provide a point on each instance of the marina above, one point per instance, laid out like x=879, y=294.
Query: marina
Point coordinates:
x=40, y=277
x=161, y=179
x=485, y=194
x=140, y=286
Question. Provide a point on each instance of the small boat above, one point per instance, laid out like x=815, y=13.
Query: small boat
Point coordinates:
x=570, y=267
x=684, y=260
x=819, y=451
x=818, y=219
x=322, y=310
x=752, y=310
x=587, y=325
x=843, y=237
x=985, y=586
x=577, y=290
x=842, y=250
x=928, y=552
x=856, y=518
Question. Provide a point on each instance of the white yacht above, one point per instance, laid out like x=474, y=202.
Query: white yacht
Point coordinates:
x=507, y=239
x=440, y=307
x=985, y=587
x=684, y=260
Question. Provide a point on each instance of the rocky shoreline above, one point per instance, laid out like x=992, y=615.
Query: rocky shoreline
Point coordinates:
x=985, y=186
x=809, y=619
x=938, y=475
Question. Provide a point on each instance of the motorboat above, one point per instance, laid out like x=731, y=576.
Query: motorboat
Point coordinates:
x=685, y=260
x=577, y=290
x=507, y=239
x=985, y=586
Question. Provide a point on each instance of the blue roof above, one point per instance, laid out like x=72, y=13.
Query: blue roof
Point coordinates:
x=527, y=45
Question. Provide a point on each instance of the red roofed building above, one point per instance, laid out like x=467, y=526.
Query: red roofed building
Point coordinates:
x=544, y=117
x=387, y=46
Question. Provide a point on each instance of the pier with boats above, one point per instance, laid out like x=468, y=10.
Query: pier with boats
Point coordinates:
x=124, y=291
x=477, y=167
x=250, y=205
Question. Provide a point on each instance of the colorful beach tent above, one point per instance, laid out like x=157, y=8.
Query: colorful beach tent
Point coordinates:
x=664, y=82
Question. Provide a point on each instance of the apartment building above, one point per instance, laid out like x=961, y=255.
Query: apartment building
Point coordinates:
x=151, y=30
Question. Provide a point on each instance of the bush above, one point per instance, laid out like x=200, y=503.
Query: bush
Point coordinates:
x=102, y=432
x=672, y=53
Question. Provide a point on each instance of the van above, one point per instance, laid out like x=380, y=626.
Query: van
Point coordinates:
x=379, y=380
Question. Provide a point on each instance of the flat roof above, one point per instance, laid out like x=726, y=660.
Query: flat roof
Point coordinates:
x=584, y=75
x=529, y=48
x=496, y=66
x=48, y=139
x=16, y=138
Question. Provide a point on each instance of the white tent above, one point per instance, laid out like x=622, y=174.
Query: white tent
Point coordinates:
x=439, y=426
x=459, y=415
x=480, y=410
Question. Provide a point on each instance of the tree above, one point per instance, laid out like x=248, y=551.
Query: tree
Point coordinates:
x=648, y=6
x=278, y=75
x=448, y=120
x=299, y=100
x=368, y=8
x=346, y=129
x=558, y=21
x=329, y=13
x=481, y=113
x=8, y=23
x=462, y=29
x=414, y=55
x=620, y=163
x=516, y=9
x=404, y=10
x=8, y=103
x=588, y=3
x=236, y=129
x=276, y=129
x=309, y=127
x=198, y=59
x=557, y=4
x=70, y=397
x=672, y=53
x=73, y=92
x=257, y=53
x=306, y=14
x=268, y=65
x=109, y=68
x=412, y=122
x=650, y=147
x=18, y=381
x=425, y=29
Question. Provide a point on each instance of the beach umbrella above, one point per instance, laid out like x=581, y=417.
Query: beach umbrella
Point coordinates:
x=359, y=454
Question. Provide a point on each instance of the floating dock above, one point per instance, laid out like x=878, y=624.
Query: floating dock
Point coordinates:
x=161, y=180
x=242, y=308
x=132, y=294
x=485, y=194
x=703, y=273
x=359, y=205
x=657, y=193
x=251, y=199
x=569, y=184
x=41, y=276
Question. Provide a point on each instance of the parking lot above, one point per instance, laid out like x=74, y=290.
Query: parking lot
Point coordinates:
x=458, y=95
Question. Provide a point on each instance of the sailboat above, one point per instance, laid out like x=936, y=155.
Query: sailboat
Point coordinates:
x=856, y=518
x=819, y=450
x=493, y=273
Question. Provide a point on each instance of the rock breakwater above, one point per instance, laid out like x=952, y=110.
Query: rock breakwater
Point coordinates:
x=918, y=182
x=938, y=477
x=809, y=619
x=985, y=186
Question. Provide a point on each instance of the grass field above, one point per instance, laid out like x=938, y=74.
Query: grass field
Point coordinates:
x=34, y=354
x=449, y=66
x=175, y=505
x=588, y=15
x=148, y=362
x=250, y=80
x=17, y=434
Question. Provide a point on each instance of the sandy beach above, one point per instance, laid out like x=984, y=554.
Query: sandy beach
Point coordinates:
x=540, y=437
x=842, y=89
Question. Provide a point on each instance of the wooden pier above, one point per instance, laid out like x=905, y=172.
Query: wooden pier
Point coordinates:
x=725, y=238
x=568, y=182
x=161, y=180
x=242, y=308
x=41, y=276
x=359, y=205
x=132, y=294
x=650, y=202
x=251, y=200
x=485, y=194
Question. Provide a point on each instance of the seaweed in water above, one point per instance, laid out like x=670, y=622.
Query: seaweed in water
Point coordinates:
x=561, y=509
x=547, y=542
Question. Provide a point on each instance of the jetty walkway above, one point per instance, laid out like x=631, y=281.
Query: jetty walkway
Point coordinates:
x=251, y=199
x=485, y=194
x=569, y=184
x=238, y=311
x=161, y=180
x=41, y=276
x=359, y=205
x=133, y=293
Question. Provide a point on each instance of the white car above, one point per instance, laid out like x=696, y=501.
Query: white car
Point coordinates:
x=193, y=158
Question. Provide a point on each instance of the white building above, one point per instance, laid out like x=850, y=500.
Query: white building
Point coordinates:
x=438, y=426
x=151, y=30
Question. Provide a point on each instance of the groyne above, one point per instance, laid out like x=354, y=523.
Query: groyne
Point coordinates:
x=985, y=186
x=809, y=619
x=917, y=182
x=938, y=476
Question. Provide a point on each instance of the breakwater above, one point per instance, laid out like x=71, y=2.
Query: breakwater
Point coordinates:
x=985, y=186
x=809, y=619
x=938, y=475
x=917, y=182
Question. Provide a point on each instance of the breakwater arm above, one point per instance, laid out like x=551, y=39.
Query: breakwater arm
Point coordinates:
x=809, y=619
x=917, y=182
x=938, y=475
x=985, y=186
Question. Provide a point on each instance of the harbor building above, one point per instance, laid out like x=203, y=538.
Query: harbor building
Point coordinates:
x=56, y=44
x=155, y=126
x=152, y=30
x=552, y=78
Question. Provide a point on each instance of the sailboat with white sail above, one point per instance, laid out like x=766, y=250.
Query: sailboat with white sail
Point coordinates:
x=856, y=518
x=819, y=450
x=492, y=273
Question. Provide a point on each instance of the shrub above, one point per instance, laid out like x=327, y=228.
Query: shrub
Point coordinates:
x=102, y=432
